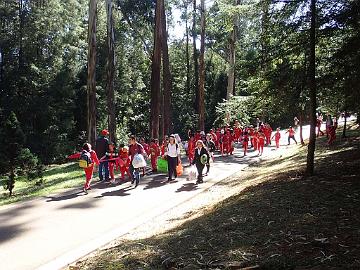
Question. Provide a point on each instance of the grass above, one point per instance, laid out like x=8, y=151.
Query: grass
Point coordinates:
x=284, y=221
x=56, y=178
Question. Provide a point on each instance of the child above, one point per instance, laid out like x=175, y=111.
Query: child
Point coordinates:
x=191, y=148
x=291, y=132
x=92, y=158
x=111, y=155
x=260, y=141
x=124, y=162
x=154, y=152
x=245, y=141
x=201, y=159
x=210, y=146
x=277, y=137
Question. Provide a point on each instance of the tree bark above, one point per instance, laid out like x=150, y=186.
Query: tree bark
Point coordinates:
x=345, y=123
x=167, y=79
x=312, y=87
x=196, y=64
x=187, y=49
x=91, y=80
x=231, y=69
x=155, y=74
x=301, y=128
x=110, y=71
x=201, y=104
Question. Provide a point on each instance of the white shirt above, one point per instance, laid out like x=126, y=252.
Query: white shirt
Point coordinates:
x=172, y=151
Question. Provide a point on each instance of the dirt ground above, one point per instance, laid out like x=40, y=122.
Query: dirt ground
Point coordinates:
x=269, y=216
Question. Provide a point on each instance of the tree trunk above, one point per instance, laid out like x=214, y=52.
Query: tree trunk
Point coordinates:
x=201, y=104
x=91, y=80
x=196, y=65
x=264, y=39
x=231, y=71
x=312, y=87
x=301, y=128
x=344, y=129
x=155, y=74
x=21, y=34
x=110, y=71
x=187, y=50
x=167, y=79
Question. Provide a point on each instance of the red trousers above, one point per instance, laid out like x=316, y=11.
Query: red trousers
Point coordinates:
x=154, y=162
x=123, y=170
x=111, y=170
x=261, y=147
x=245, y=146
x=277, y=142
x=88, y=174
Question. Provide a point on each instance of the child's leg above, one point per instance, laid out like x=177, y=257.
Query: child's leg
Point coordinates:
x=277, y=143
x=88, y=175
x=111, y=170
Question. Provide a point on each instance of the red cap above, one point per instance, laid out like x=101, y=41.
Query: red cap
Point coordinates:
x=104, y=132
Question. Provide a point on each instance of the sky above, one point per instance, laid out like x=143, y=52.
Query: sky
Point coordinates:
x=178, y=31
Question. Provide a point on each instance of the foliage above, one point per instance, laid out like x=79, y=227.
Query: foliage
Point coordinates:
x=14, y=158
x=236, y=108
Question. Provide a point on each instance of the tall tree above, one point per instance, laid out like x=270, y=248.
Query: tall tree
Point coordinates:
x=195, y=56
x=312, y=87
x=91, y=80
x=201, y=104
x=167, y=79
x=110, y=65
x=187, y=52
x=155, y=73
x=231, y=58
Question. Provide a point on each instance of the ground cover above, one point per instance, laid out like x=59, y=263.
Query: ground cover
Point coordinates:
x=283, y=220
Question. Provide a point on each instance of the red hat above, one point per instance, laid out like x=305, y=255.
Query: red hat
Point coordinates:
x=104, y=132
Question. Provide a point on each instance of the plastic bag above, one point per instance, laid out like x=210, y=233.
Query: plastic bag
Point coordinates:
x=179, y=169
x=138, y=161
x=192, y=173
x=162, y=165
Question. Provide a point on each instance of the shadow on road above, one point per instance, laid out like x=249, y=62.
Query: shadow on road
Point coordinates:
x=187, y=187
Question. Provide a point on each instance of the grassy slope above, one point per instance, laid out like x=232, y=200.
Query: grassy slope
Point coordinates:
x=56, y=178
x=288, y=221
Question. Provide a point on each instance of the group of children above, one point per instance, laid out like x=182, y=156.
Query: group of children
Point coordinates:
x=224, y=138
x=200, y=149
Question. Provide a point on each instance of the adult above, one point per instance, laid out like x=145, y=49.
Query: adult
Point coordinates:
x=101, y=147
x=291, y=133
x=296, y=122
x=201, y=159
x=172, y=154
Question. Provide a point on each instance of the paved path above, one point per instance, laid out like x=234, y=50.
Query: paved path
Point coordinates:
x=50, y=232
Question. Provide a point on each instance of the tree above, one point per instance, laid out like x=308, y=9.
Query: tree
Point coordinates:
x=155, y=73
x=232, y=42
x=312, y=87
x=110, y=70
x=201, y=105
x=195, y=58
x=14, y=157
x=167, y=79
x=91, y=79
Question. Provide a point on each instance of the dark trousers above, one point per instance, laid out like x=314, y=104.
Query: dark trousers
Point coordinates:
x=172, y=163
x=104, y=171
x=200, y=167
x=292, y=137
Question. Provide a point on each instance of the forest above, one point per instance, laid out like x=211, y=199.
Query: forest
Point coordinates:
x=69, y=68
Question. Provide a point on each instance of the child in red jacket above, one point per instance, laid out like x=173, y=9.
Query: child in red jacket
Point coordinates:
x=260, y=141
x=154, y=153
x=277, y=137
x=111, y=155
x=92, y=157
x=124, y=162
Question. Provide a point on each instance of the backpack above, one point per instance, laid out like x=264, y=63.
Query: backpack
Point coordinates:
x=85, y=160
